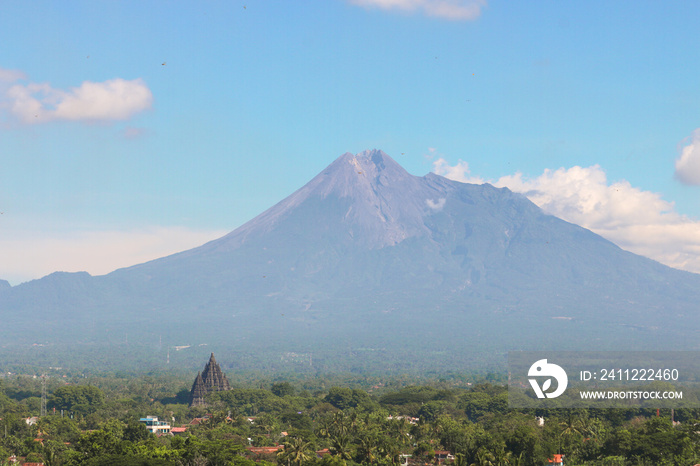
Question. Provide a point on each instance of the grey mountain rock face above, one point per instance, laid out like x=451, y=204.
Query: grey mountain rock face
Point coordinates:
x=366, y=252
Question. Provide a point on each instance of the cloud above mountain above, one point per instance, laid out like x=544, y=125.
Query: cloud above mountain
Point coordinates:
x=636, y=220
x=32, y=103
x=455, y=10
x=459, y=172
x=688, y=163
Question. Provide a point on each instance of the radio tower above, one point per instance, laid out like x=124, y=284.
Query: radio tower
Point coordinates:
x=43, y=395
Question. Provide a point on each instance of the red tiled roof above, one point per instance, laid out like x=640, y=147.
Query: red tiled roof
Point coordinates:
x=274, y=449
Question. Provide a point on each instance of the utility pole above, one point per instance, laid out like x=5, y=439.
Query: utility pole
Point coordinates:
x=43, y=395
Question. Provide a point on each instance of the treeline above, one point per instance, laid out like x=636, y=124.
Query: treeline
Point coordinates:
x=94, y=421
x=146, y=353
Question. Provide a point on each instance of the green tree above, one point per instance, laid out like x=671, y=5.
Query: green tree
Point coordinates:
x=430, y=411
x=59, y=428
x=341, y=446
x=345, y=398
x=282, y=389
x=367, y=447
x=52, y=451
x=297, y=452
x=484, y=458
x=79, y=398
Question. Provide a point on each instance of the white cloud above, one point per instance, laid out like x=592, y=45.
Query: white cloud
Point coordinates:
x=115, y=99
x=436, y=205
x=459, y=172
x=25, y=256
x=457, y=10
x=688, y=164
x=11, y=75
x=636, y=220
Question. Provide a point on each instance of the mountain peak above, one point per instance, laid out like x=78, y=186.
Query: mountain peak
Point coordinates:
x=353, y=174
x=372, y=192
x=371, y=163
x=375, y=156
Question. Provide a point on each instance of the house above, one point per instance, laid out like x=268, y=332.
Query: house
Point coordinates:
x=178, y=430
x=556, y=460
x=154, y=425
x=411, y=420
x=265, y=450
x=443, y=455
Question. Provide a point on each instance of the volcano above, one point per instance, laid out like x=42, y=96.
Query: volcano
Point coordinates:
x=367, y=255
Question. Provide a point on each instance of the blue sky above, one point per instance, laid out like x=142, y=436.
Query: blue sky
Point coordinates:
x=130, y=130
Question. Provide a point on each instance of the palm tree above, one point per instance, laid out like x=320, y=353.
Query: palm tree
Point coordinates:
x=340, y=423
x=367, y=448
x=324, y=428
x=214, y=420
x=460, y=459
x=50, y=452
x=265, y=424
x=491, y=457
x=402, y=431
x=571, y=429
x=571, y=425
x=352, y=422
x=593, y=429
x=484, y=458
x=391, y=452
x=341, y=447
x=518, y=460
x=296, y=452
x=501, y=457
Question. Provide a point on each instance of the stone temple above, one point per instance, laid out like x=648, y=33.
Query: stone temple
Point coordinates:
x=207, y=381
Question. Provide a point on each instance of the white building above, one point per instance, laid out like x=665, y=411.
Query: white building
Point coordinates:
x=154, y=425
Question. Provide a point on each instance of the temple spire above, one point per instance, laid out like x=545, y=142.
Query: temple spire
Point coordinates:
x=198, y=391
x=211, y=379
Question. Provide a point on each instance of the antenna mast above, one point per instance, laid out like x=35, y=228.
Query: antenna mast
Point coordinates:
x=43, y=395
